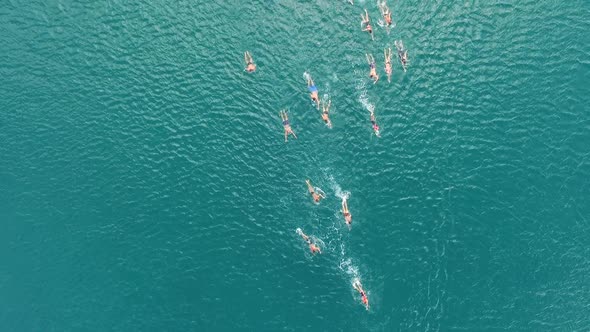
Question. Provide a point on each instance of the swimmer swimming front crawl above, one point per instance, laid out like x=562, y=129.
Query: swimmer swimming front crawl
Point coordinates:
x=373, y=72
x=388, y=69
x=402, y=53
x=367, y=22
x=325, y=113
x=374, y=124
x=286, y=125
x=357, y=285
x=313, y=92
x=386, y=12
x=312, y=247
x=316, y=197
x=345, y=212
x=250, y=66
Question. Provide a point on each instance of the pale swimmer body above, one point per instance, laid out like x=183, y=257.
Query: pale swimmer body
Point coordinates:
x=316, y=196
x=364, y=299
x=313, y=92
x=312, y=246
x=373, y=68
x=388, y=68
x=366, y=22
x=402, y=53
x=286, y=124
x=325, y=113
x=375, y=125
x=386, y=13
x=250, y=65
x=346, y=212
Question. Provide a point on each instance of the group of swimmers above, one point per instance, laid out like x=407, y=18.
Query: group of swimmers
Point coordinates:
x=317, y=196
x=402, y=53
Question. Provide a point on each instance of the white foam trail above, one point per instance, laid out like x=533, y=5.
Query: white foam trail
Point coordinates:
x=318, y=242
x=338, y=190
x=351, y=270
x=306, y=76
x=364, y=100
x=363, y=97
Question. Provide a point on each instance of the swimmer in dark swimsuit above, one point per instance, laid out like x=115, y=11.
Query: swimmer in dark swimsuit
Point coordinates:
x=316, y=197
x=374, y=124
x=357, y=285
x=313, y=92
x=286, y=124
x=373, y=73
x=325, y=116
x=250, y=66
x=402, y=53
x=365, y=21
x=388, y=69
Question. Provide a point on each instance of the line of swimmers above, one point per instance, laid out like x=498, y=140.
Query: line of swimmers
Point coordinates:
x=314, y=248
x=313, y=90
x=251, y=67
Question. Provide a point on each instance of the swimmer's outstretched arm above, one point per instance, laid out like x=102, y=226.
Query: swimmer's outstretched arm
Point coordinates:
x=357, y=286
x=305, y=237
x=309, y=186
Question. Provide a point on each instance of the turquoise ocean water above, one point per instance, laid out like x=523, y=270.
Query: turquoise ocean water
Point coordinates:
x=145, y=184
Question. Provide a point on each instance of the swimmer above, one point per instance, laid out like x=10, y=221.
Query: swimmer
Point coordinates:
x=388, y=70
x=345, y=212
x=373, y=73
x=374, y=124
x=286, y=125
x=402, y=53
x=312, y=247
x=367, y=22
x=313, y=92
x=386, y=13
x=357, y=285
x=250, y=66
x=325, y=116
x=316, y=196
